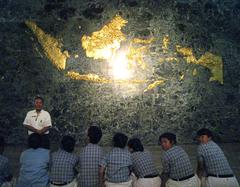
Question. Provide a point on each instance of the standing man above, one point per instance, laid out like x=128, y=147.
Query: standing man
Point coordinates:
x=39, y=121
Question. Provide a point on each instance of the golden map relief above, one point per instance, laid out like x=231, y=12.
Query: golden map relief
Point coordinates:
x=50, y=45
x=106, y=43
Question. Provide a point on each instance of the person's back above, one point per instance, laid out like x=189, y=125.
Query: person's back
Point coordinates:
x=117, y=164
x=63, y=164
x=143, y=166
x=180, y=162
x=213, y=163
x=214, y=159
x=34, y=164
x=90, y=158
x=177, y=168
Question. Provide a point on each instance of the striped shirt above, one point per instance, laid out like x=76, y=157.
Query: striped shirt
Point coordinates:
x=143, y=164
x=214, y=159
x=62, y=166
x=176, y=163
x=117, y=164
x=89, y=161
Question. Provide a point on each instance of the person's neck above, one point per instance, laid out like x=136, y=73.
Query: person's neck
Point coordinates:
x=38, y=110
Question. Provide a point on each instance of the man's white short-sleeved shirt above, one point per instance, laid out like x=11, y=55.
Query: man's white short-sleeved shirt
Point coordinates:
x=38, y=120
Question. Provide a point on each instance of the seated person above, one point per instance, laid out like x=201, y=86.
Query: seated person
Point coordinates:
x=177, y=168
x=63, y=164
x=117, y=164
x=143, y=166
x=34, y=164
x=5, y=175
x=213, y=162
x=89, y=159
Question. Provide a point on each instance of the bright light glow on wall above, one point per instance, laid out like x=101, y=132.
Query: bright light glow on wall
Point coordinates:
x=119, y=66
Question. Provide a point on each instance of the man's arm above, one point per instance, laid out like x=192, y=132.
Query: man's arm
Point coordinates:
x=164, y=178
x=200, y=168
x=44, y=129
x=101, y=176
x=31, y=128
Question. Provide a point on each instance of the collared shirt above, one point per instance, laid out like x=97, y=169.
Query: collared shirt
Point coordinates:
x=117, y=164
x=34, y=168
x=214, y=159
x=89, y=161
x=4, y=169
x=176, y=163
x=143, y=164
x=62, y=166
x=38, y=120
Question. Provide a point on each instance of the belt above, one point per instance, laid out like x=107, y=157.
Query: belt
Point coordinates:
x=60, y=184
x=184, y=178
x=150, y=176
x=220, y=176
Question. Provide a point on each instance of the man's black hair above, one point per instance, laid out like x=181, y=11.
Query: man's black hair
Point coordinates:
x=135, y=144
x=68, y=143
x=2, y=141
x=34, y=141
x=120, y=140
x=39, y=97
x=45, y=141
x=170, y=136
x=204, y=131
x=94, y=134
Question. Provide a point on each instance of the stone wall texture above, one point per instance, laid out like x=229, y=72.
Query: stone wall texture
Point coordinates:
x=180, y=106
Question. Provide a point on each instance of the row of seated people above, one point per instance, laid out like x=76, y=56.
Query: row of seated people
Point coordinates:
x=121, y=167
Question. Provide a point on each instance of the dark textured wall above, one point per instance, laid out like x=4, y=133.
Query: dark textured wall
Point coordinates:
x=181, y=106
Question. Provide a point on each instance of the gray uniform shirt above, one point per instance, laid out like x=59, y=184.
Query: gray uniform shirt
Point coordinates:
x=143, y=164
x=89, y=160
x=214, y=159
x=176, y=163
x=117, y=164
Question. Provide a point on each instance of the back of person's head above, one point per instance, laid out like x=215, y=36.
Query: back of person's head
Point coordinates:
x=170, y=136
x=68, y=143
x=135, y=144
x=34, y=141
x=95, y=134
x=120, y=140
x=2, y=141
x=205, y=131
x=2, y=144
x=45, y=142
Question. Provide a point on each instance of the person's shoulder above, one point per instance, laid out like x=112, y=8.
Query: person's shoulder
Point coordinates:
x=31, y=112
x=43, y=150
x=45, y=112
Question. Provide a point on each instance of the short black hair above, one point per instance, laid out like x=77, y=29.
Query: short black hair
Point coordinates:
x=95, y=134
x=68, y=143
x=170, y=136
x=2, y=141
x=120, y=140
x=45, y=142
x=39, y=97
x=204, y=131
x=34, y=141
x=135, y=144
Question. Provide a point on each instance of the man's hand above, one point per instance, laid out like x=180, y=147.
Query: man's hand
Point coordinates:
x=101, y=176
x=164, y=178
x=43, y=130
